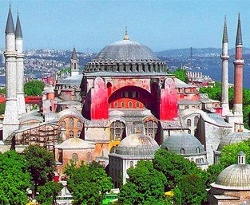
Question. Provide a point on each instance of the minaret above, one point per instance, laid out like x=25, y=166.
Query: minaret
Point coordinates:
x=224, y=81
x=19, y=68
x=10, y=121
x=74, y=67
x=238, y=75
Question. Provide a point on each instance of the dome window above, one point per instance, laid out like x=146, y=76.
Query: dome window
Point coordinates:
x=75, y=157
x=182, y=151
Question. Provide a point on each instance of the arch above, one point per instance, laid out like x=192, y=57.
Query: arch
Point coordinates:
x=74, y=157
x=182, y=151
x=71, y=123
x=196, y=119
x=117, y=130
x=132, y=94
x=151, y=128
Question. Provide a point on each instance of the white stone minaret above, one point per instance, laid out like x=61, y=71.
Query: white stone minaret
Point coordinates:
x=19, y=68
x=10, y=121
x=74, y=67
x=224, y=81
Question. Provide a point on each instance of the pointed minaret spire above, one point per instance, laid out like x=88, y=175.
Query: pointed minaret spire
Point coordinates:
x=238, y=35
x=74, y=55
x=225, y=36
x=238, y=76
x=19, y=68
x=9, y=25
x=18, y=31
x=74, y=61
x=224, y=85
x=126, y=34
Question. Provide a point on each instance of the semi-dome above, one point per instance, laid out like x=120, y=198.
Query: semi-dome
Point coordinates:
x=183, y=143
x=236, y=176
x=125, y=56
x=234, y=137
x=137, y=145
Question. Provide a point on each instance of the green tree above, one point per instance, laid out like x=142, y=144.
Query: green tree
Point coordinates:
x=192, y=190
x=181, y=74
x=48, y=193
x=212, y=172
x=88, y=183
x=14, y=177
x=3, y=90
x=174, y=167
x=145, y=185
x=2, y=108
x=34, y=88
x=41, y=165
x=229, y=153
x=213, y=92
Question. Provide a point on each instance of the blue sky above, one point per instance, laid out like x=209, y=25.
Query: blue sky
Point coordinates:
x=159, y=24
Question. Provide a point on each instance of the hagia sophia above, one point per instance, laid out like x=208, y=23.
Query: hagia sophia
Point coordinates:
x=122, y=108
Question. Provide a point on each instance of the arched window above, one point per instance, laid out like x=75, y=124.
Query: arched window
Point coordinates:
x=131, y=164
x=182, y=151
x=71, y=134
x=198, y=150
x=117, y=130
x=188, y=122
x=71, y=123
x=151, y=128
x=74, y=157
x=89, y=158
x=137, y=104
x=79, y=124
x=196, y=119
x=63, y=124
x=122, y=104
x=130, y=104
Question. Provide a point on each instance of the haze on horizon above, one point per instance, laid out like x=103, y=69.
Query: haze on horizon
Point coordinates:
x=89, y=25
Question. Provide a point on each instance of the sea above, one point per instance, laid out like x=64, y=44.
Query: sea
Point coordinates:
x=215, y=73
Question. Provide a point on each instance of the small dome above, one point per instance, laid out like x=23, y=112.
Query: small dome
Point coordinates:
x=183, y=143
x=137, y=145
x=236, y=176
x=75, y=143
x=71, y=80
x=234, y=137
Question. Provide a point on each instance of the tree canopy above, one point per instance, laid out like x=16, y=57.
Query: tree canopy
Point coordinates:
x=181, y=74
x=214, y=92
x=173, y=166
x=145, y=185
x=192, y=190
x=48, y=193
x=34, y=88
x=88, y=183
x=41, y=165
x=14, y=177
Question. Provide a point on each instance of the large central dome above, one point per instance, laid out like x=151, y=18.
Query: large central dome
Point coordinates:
x=125, y=56
x=126, y=50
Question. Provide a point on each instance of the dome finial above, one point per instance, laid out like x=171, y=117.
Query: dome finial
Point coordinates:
x=126, y=34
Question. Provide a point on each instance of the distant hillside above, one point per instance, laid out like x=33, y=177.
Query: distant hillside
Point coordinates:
x=186, y=52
